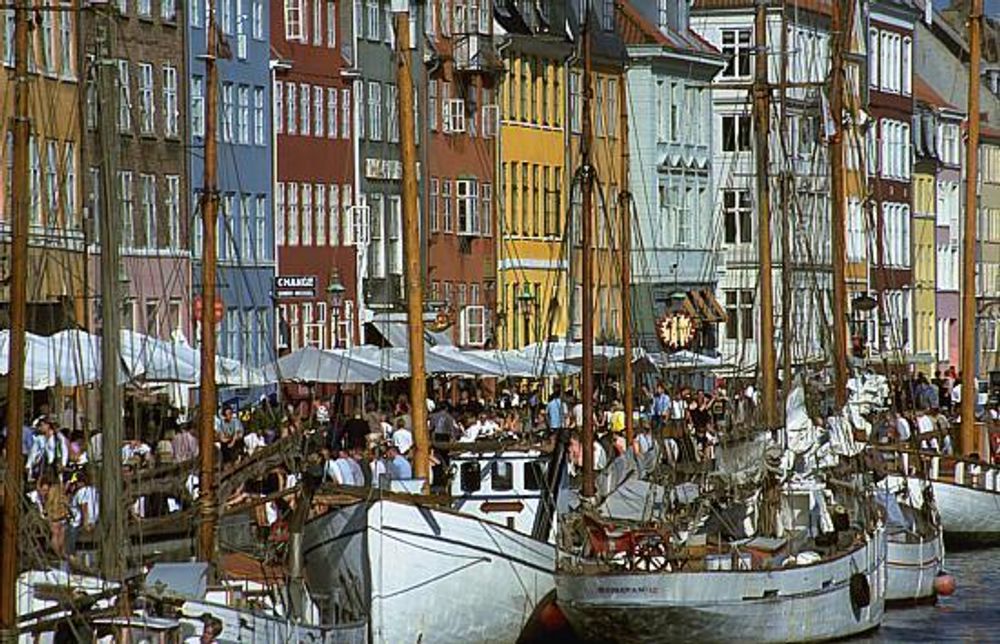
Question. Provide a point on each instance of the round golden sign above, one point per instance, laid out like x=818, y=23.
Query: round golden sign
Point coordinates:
x=676, y=330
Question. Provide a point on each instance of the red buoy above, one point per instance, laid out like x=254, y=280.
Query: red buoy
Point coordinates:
x=944, y=584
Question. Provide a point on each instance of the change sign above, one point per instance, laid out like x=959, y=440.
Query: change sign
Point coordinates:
x=295, y=286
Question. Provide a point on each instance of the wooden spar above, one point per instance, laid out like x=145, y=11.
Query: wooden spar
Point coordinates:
x=12, y=493
x=588, y=488
x=411, y=251
x=207, y=494
x=968, y=440
x=840, y=30
x=112, y=515
x=785, y=177
x=762, y=115
x=625, y=213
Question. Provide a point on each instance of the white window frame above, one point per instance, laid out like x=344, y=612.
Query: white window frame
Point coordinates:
x=467, y=207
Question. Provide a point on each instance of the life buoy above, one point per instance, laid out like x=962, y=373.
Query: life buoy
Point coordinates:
x=861, y=592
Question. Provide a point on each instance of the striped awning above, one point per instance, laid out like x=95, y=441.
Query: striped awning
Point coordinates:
x=702, y=305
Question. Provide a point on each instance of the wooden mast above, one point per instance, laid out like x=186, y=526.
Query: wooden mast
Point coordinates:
x=588, y=488
x=625, y=214
x=411, y=251
x=112, y=515
x=968, y=440
x=762, y=115
x=12, y=493
x=840, y=29
x=785, y=177
x=208, y=510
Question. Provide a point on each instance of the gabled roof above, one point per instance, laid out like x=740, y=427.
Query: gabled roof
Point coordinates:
x=635, y=29
x=925, y=93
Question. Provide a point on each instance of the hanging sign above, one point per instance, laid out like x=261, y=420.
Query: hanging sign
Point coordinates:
x=676, y=330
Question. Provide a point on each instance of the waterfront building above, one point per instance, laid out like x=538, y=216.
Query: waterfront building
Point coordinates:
x=988, y=266
x=316, y=288
x=890, y=173
x=535, y=121
x=799, y=172
x=57, y=276
x=144, y=158
x=675, y=251
x=457, y=89
x=246, y=249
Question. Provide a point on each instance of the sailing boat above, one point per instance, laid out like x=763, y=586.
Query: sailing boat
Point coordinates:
x=967, y=488
x=715, y=567
x=401, y=566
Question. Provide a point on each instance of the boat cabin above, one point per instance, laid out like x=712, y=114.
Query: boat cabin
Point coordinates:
x=503, y=487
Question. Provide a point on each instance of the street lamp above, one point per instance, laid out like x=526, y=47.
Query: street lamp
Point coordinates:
x=526, y=300
x=335, y=294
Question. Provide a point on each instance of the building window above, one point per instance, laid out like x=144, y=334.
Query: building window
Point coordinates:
x=432, y=206
x=739, y=314
x=52, y=189
x=374, y=111
x=126, y=200
x=319, y=121
x=307, y=215
x=35, y=171
x=736, y=131
x=69, y=185
x=173, y=203
x=345, y=113
x=243, y=114
x=948, y=143
x=737, y=212
x=227, y=112
x=332, y=123
x=896, y=234
x=486, y=209
x=392, y=118
x=258, y=116
x=294, y=29
x=331, y=24
x=66, y=47
x=144, y=8
x=124, y=98
x=292, y=113
x=738, y=51
x=146, y=105
x=906, y=66
x=279, y=214
x=575, y=102
x=317, y=26
x=279, y=107
x=305, y=100
x=466, y=200
x=855, y=231
x=446, y=206
x=168, y=10
x=170, y=105
x=147, y=184
x=293, y=214
x=260, y=229
x=258, y=19
x=372, y=15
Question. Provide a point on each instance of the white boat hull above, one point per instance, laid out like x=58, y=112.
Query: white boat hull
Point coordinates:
x=912, y=569
x=804, y=603
x=420, y=574
x=969, y=516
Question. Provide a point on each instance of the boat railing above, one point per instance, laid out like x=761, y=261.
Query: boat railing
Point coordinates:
x=957, y=470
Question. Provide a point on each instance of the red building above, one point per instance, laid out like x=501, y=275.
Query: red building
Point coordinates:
x=459, y=151
x=890, y=168
x=316, y=288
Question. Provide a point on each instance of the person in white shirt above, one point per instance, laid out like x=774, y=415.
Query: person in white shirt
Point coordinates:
x=252, y=442
x=48, y=449
x=472, y=430
x=402, y=438
x=84, y=510
x=903, y=432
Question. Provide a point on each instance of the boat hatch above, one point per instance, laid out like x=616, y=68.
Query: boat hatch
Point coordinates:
x=503, y=488
x=767, y=594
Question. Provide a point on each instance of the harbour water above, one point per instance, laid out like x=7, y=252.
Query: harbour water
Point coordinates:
x=972, y=614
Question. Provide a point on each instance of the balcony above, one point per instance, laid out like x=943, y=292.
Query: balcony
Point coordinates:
x=475, y=53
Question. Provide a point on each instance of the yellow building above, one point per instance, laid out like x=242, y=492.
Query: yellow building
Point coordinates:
x=56, y=268
x=533, y=268
x=606, y=153
x=924, y=260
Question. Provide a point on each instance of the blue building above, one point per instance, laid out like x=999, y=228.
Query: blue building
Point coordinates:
x=246, y=224
x=674, y=252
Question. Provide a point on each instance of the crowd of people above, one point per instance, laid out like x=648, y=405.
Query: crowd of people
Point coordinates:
x=373, y=446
